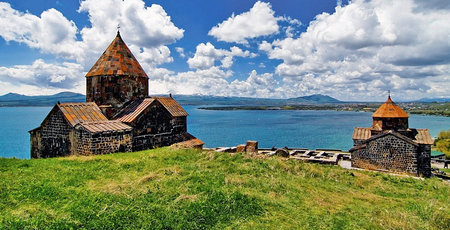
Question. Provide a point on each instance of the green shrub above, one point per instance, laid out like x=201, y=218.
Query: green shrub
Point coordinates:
x=443, y=143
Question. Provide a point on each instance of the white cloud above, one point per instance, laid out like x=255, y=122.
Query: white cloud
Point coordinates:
x=51, y=32
x=43, y=76
x=151, y=57
x=358, y=52
x=146, y=30
x=151, y=25
x=263, y=86
x=180, y=51
x=191, y=82
x=259, y=21
x=206, y=55
x=212, y=82
x=366, y=48
x=149, y=28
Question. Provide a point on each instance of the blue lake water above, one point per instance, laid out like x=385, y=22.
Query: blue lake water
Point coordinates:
x=279, y=128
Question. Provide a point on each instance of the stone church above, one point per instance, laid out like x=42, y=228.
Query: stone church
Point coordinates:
x=390, y=145
x=118, y=115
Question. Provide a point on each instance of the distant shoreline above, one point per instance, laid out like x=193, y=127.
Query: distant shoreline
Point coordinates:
x=428, y=108
x=341, y=108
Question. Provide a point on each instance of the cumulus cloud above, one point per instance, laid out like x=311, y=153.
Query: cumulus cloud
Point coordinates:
x=204, y=82
x=358, y=52
x=366, y=48
x=259, y=21
x=51, y=32
x=44, y=75
x=146, y=30
x=151, y=25
x=432, y=5
x=149, y=28
x=206, y=55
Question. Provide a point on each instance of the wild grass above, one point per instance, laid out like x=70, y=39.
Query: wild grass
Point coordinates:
x=188, y=189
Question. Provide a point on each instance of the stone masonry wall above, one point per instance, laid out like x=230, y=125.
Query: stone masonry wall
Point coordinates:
x=424, y=160
x=150, y=141
x=55, y=136
x=87, y=143
x=157, y=128
x=35, y=143
x=387, y=153
x=156, y=120
x=115, y=90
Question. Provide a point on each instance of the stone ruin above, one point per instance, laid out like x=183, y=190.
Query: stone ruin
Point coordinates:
x=322, y=156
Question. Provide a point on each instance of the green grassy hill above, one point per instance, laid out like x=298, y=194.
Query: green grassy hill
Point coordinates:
x=187, y=189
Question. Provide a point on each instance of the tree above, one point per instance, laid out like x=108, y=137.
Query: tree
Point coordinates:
x=443, y=143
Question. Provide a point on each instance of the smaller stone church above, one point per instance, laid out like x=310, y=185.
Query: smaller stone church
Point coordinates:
x=390, y=145
x=118, y=115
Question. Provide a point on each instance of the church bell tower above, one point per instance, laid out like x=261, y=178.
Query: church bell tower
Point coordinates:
x=389, y=116
x=116, y=78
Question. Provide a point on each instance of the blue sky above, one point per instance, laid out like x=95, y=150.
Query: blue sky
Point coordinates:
x=351, y=50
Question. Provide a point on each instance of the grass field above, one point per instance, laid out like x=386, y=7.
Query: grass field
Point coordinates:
x=188, y=189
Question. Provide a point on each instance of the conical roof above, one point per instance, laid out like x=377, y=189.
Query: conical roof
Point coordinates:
x=117, y=60
x=390, y=110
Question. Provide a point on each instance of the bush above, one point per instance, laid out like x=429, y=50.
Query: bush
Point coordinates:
x=443, y=143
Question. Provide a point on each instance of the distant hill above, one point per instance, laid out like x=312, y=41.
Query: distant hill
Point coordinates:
x=249, y=101
x=217, y=100
x=14, y=99
x=315, y=99
x=434, y=100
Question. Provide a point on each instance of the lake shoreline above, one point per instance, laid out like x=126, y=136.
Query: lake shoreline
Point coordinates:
x=311, y=129
x=338, y=108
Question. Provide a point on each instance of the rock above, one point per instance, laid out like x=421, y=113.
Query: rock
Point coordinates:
x=252, y=147
x=282, y=152
x=240, y=148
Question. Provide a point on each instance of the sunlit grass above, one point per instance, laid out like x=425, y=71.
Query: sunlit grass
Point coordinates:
x=188, y=189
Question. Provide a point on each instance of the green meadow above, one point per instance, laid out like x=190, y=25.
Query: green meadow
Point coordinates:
x=188, y=189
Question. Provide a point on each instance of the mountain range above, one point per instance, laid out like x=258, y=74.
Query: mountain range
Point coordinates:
x=14, y=99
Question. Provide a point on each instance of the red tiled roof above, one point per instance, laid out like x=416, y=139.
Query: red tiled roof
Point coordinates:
x=361, y=133
x=81, y=112
x=172, y=106
x=189, y=141
x=105, y=126
x=133, y=110
x=390, y=110
x=117, y=60
x=423, y=137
